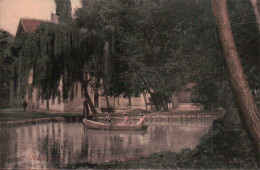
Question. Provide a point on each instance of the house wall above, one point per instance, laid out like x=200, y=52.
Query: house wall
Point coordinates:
x=122, y=103
x=111, y=100
x=32, y=95
x=53, y=105
x=184, y=96
x=175, y=101
x=76, y=105
x=139, y=102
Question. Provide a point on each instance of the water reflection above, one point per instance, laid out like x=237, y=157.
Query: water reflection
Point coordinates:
x=55, y=145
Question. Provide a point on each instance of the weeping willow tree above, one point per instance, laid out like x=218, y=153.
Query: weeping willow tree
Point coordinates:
x=62, y=52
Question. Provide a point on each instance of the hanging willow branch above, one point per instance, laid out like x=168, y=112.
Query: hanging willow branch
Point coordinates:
x=61, y=51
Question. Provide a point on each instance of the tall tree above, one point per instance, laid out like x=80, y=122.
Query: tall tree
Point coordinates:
x=257, y=13
x=61, y=52
x=242, y=94
x=63, y=9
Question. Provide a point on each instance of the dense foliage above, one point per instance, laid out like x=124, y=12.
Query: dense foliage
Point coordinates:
x=6, y=60
x=57, y=52
x=170, y=43
x=63, y=10
x=152, y=47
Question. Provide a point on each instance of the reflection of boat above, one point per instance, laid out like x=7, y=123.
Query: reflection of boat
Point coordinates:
x=102, y=126
x=114, y=132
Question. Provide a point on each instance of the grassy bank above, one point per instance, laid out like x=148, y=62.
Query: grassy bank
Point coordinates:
x=19, y=114
x=223, y=147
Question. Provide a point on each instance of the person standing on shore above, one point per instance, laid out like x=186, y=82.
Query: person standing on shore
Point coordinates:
x=25, y=105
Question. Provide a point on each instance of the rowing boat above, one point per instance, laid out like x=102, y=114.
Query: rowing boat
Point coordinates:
x=103, y=126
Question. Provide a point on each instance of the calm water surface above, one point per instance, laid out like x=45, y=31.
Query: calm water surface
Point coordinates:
x=57, y=144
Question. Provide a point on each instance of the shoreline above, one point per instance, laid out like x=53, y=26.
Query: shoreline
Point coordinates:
x=30, y=121
x=16, y=117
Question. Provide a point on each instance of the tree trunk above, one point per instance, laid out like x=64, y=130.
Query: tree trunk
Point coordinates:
x=107, y=102
x=257, y=13
x=92, y=107
x=166, y=108
x=153, y=95
x=47, y=104
x=144, y=95
x=154, y=101
x=130, y=103
x=240, y=88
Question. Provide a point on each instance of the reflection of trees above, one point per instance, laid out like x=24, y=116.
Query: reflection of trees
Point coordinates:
x=84, y=147
x=158, y=131
x=173, y=136
x=4, y=146
x=117, y=144
x=59, y=144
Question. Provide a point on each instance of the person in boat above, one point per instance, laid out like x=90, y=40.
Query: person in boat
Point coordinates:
x=108, y=119
x=142, y=119
x=125, y=121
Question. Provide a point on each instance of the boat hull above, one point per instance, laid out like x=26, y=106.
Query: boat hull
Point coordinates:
x=101, y=126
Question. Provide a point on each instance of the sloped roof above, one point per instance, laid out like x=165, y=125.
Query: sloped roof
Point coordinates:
x=31, y=25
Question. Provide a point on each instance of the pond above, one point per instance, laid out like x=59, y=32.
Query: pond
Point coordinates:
x=54, y=145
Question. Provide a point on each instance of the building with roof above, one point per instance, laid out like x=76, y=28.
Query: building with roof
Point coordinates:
x=30, y=25
x=27, y=25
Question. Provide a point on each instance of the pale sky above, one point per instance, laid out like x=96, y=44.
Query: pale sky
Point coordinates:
x=12, y=10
